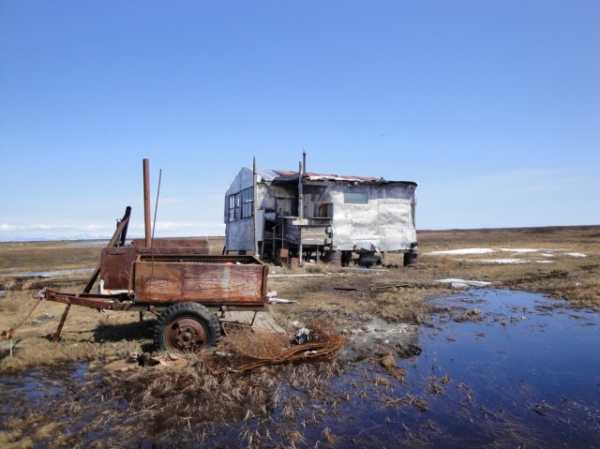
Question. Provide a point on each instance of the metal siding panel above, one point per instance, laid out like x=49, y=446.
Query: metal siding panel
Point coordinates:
x=201, y=282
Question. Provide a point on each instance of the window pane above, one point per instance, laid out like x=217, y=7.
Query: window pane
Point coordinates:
x=356, y=197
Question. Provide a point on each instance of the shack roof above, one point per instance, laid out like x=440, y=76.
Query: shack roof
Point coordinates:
x=272, y=175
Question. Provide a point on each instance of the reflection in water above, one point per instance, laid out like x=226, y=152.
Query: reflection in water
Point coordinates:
x=526, y=369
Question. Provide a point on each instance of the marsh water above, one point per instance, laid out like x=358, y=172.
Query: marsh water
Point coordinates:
x=498, y=368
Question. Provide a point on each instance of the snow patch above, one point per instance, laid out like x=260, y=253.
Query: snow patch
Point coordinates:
x=520, y=250
x=576, y=255
x=507, y=260
x=463, y=283
x=462, y=251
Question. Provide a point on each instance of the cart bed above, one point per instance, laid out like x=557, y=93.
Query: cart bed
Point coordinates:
x=209, y=280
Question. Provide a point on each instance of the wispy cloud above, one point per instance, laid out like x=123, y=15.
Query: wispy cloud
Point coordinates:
x=49, y=231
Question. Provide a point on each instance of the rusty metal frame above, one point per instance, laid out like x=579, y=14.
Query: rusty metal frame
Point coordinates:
x=94, y=301
x=117, y=239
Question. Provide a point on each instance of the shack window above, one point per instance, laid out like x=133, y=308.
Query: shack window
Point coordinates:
x=247, y=203
x=238, y=206
x=356, y=197
x=234, y=208
x=231, y=208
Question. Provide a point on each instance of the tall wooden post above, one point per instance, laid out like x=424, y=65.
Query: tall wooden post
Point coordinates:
x=147, y=219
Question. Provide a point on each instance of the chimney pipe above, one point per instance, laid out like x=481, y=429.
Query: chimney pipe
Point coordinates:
x=147, y=221
x=304, y=162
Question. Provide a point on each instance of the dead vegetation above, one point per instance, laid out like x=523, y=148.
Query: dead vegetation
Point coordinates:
x=186, y=402
x=44, y=256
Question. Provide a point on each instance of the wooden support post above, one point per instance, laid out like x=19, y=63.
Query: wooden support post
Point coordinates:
x=147, y=219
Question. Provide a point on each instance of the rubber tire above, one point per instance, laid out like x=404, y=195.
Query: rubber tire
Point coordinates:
x=193, y=310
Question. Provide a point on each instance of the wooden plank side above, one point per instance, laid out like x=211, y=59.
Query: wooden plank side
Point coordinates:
x=201, y=282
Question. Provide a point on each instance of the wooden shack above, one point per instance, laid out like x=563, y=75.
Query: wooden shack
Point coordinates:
x=304, y=215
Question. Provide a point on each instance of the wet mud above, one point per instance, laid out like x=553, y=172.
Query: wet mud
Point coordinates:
x=490, y=368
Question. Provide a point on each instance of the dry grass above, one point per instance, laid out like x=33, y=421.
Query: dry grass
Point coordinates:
x=174, y=402
x=18, y=257
x=29, y=432
x=87, y=335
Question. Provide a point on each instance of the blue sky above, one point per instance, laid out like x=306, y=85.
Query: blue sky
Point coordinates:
x=493, y=108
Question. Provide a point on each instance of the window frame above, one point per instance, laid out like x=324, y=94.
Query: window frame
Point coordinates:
x=247, y=203
x=231, y=208
x=349, y=194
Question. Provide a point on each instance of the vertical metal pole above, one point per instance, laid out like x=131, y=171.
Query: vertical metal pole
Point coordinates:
x=304, y=161
x=147, y=218
x=254, y=206
x=300, y=212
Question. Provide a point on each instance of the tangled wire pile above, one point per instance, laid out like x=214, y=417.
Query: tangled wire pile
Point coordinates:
x=262, y=348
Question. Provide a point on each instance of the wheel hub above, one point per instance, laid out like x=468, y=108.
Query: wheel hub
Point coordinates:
x=186, y=334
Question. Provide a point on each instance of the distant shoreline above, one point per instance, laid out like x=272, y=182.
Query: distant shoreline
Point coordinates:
x=99, y=241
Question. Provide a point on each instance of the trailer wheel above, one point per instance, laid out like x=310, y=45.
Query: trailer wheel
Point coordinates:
x=186, y=327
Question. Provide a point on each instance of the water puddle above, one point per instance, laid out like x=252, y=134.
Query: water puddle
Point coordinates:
x=498, y=369
x=520, y=369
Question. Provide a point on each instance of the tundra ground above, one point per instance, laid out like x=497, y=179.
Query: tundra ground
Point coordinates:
x=378, y=311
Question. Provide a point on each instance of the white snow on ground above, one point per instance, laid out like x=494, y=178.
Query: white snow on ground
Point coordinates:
x=500, y=261
x=520, y=250
x=462, y=251
x=514, y=251
x=544, y=261
x=462, y=283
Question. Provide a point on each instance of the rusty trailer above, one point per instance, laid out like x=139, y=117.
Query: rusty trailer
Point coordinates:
x=176, y=280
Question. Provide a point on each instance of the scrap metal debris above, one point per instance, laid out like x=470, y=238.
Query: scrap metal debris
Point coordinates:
x=302, y=336
x=315, y=341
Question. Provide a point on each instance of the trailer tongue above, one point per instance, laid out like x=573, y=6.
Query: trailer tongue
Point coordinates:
x=176, y=281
